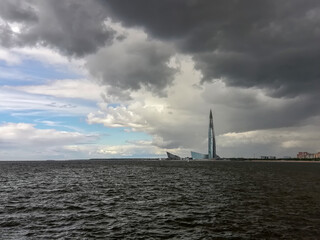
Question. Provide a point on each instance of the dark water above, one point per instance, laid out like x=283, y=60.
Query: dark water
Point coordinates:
x=159, y=200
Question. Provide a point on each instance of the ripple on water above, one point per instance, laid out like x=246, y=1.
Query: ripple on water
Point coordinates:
x=155, y=200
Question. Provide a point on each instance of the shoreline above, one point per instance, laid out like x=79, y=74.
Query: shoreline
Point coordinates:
x=168, y=160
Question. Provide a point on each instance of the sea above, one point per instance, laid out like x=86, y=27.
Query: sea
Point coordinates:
x=138, y=199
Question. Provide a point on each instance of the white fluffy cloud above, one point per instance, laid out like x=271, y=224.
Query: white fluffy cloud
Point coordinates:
x=129, y=150
x=26, y=134
x=279, y=142
x=9, y=57
x=16, y=101
x=24, y=141
x=67, y=88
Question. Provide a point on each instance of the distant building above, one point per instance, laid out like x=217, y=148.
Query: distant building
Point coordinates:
x=172, y=156
x=212, y=154
x=196, y=155
x=302, y=155
x=268, y=157
x=306, y=155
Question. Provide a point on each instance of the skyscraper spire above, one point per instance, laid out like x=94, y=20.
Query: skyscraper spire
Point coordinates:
x=211, y=139
x=212, y=154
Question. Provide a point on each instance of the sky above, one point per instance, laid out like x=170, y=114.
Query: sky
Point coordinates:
x=108, y=79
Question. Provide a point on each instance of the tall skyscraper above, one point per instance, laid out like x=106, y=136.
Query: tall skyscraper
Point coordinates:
x=212, y=154
x=211, y=139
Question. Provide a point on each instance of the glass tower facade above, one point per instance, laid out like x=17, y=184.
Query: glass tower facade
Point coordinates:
x=211, y=143
x=211, y=139
x=196, y=155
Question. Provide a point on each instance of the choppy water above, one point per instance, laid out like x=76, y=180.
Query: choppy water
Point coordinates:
x=159, y=200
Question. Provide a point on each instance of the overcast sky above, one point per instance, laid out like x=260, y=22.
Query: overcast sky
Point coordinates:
x=137, y=78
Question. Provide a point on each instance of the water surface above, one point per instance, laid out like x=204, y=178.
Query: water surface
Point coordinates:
x=159, y=200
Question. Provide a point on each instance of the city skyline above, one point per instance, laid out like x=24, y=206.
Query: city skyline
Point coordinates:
x=108, y=79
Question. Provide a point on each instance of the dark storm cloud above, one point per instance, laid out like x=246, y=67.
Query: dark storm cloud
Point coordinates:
x=79, y=28
x=250, y=43
x=272, y=44
x=18, y=11
x=131, y=65
x=286, y=73
x=7, y=35
x=72, y=27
